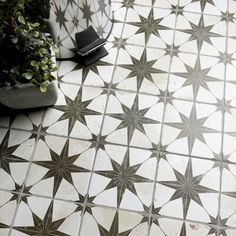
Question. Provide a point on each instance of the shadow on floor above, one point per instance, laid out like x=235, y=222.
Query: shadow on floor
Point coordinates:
x=6, y=111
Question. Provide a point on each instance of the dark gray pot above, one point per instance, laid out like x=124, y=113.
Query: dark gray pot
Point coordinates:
x=26, y=96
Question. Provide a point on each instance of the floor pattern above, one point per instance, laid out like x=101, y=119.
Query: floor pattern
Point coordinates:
x=141, y=143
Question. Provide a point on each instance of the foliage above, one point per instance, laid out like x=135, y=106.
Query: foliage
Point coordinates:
x=25, y=50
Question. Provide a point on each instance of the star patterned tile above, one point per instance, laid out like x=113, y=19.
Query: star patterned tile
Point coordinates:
x=123, y=177
x=198, y=33
x=142, y=70
x=61, y=168
x=197, y=78
x=192, y=129
x=152, y=27
x=142, y=142
x=133, y=119
x=77, y=113
x=47, y=217
x=185, y=187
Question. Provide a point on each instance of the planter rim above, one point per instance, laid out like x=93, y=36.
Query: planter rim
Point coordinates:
x=25, y=85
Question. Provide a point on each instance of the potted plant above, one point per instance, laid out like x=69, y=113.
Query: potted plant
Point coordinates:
x=27, y=65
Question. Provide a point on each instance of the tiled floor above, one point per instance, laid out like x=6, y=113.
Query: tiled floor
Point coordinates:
x=142, y=143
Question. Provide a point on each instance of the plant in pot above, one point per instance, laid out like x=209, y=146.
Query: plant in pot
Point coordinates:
x=27, y=66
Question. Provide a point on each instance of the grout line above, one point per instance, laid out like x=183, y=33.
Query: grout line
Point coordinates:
x=223, y=123
x=102, y=123
x=142, y=93
x=162, y=122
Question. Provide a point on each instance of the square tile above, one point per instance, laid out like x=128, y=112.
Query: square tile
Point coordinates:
x=142, y=70
x=196, y=77
x=196, y=33
x=163, y=226
x=123, y=177
x=133, y=119
x=192, y=129
x=46, y=217
x=16, y=149
x=106, y=221
x=61, y=168
x=77, y=113
x=187, y=188
x=152, y=27
x=8, y=204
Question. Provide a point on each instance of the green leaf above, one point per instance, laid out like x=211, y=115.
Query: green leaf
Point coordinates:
x=33, y=63
x=43, y=87
x=28, y=75
x=14, y=40
x=44, y=67
x=54, y=69
x=21, y=19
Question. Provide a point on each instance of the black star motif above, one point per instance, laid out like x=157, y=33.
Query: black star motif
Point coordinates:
x=150, y=210
x=75, y=110
x=35, y=130
x=220, y=222
x=128, y=3
x=102, y=6
x=178, y=10
x=119, y=42
x=60, y=17
x=225, y=58
x=6, y=154
x=87, y=13
x=123, y=177
x=172, y=50
x=187, y=187
x=192, y=128
x=141, y=68
x=3, y=226
x=200, y=33
x=88, y=207
x=223, y=105
x=197, y=77
x=113, y=229
x=133, y=118
x=72, y=3
x=94, y=68
x=45, y=226
x=203, y=3
x=149, y=25
x=16, y=192
x=60, y=167
x=183, y=230
x=227, y=17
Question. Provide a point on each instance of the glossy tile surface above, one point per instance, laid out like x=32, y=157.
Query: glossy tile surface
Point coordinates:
x=141, y=143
